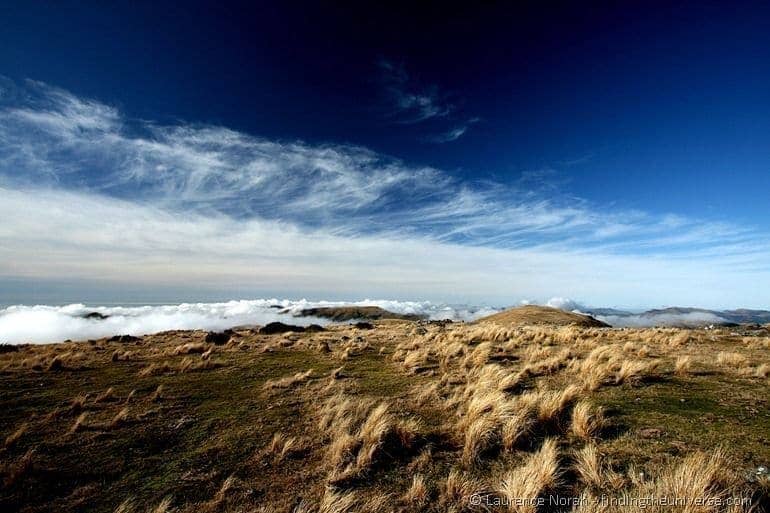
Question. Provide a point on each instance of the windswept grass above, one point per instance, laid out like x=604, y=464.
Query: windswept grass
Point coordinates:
x=422, y=416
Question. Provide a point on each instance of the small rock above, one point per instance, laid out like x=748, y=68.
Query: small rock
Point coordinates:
x=124, y=339
x=279, y=327
x=218, y=338
x=651, y=433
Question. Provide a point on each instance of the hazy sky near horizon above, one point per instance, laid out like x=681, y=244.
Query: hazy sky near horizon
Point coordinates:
x=618, y=155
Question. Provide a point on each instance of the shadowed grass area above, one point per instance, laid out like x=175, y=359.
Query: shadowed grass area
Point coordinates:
x=679, y=415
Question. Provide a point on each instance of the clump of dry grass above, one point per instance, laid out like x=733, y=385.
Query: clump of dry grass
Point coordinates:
x=458, y=489
x=555, y=403
x=593, y=472
x=164, y=506
x=106, y=396
x=155, y=369
x=157, y=395
x=418, y=493
x=539, y=473
x=363, y=436
x=14, y=437
x=281, y=447
x=731, y=359
x=190, y=348
x=697, y=475
x=56, y=364
x=587, y=421
x=119, y=355
x=681, y=339
x=189, y=364
x=338, y=502
x=588, y=467
x=79, y=423
x=119, y=419
x=762, y=371
x=289, y=381
x=219, y=498
x=481, y=435
x=127, y=506
x=16, y=470
x=516, y=428
x=683, y=365
x=631, y=370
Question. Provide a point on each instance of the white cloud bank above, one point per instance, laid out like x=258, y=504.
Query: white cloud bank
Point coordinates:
x=42, y=324
x=90, y=195
x=679, y=320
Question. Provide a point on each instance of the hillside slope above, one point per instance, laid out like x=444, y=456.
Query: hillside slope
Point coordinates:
x=532, y=315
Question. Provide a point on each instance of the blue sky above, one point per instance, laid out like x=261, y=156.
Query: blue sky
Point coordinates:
x=615, y=154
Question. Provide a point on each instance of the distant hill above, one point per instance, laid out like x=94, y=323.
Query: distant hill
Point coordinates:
x=682, y=317
x=349, y=313
x=532, y=314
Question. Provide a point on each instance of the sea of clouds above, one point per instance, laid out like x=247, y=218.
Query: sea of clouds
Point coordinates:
x=42, y=324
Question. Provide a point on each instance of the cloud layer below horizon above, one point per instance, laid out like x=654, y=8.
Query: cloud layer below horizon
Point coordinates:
x=90, y=194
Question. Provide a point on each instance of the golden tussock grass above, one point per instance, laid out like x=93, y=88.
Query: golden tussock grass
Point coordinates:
x=683, y=365
x=553, y=404
x=189, y=364
x=516, y=428
x=422, y=424
x=157, y=394
x=631, y=370
x=281, y=447
x=681, y=339
x=538, y=474
x=418, y=493
x=363, y=436
x=731, y=359
x=481, y=435
x=458, y=489
x=107, y=395
x=593, y=472
x=587, y=420
x=16, y=470
x=119, y=419
x=215, y=503
x=155, y=369
x=14, y=437
x=696, y=475
x=289, y=381
x=119, y=355
x=190, y=348
x=164, y=506
x=338, y=502
x=588, y=466
x=79, y=423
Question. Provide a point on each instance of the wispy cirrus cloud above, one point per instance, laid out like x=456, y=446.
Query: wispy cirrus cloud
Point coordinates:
x=412, y=102
x=453, y=133
x=87, y=192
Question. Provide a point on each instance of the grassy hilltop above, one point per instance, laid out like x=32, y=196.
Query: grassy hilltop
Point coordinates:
x=407, y=416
